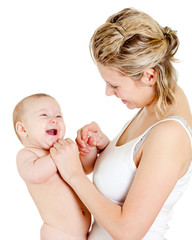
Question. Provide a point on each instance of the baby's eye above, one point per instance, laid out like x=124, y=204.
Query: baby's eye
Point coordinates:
x=43, y=115
x=59, y=116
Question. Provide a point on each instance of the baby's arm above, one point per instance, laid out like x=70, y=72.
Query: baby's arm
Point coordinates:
x=34, y=169
x=88, y=153
x=91, y=141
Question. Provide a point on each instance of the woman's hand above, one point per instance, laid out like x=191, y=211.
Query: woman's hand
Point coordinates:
x=65, y=154
x=90, y=137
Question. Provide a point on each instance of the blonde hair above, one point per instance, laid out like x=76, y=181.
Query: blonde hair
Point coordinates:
x=132, y=42
x=19, y=109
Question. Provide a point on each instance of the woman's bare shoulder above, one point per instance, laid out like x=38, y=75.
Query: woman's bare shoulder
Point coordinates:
x=169, y=132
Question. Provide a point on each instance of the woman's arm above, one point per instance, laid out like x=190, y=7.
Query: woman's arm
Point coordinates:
x=34, y=169
x=165, y=158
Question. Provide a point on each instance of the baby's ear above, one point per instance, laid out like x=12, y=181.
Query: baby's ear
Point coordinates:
x=20, y=128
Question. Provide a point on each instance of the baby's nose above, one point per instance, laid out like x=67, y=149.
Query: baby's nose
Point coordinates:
x=53, y=120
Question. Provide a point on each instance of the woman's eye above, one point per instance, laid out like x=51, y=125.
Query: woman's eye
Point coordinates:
x=114, y=87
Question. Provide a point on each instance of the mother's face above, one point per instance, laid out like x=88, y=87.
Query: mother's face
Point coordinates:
x=133, y=93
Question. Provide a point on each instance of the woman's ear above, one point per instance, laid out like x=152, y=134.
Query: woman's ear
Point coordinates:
x=149, y=77
x=20, y=128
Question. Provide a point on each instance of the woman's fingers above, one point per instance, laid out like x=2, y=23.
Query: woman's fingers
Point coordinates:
x=69, y=140
x=53, y=151
x=79, y=140
x=57, y=146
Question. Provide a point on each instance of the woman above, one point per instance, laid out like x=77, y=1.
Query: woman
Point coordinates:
x=139, y=176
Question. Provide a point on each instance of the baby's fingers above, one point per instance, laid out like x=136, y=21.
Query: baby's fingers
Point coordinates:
x=92, y=127
x=92, y=141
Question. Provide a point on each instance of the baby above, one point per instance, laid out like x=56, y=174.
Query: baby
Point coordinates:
x=38, y=123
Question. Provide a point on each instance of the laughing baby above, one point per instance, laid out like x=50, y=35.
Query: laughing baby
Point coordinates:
x=39, y=123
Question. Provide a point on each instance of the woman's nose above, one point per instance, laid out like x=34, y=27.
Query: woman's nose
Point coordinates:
x=109, y=91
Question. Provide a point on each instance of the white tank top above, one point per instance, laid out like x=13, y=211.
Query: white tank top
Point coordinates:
x=114, y=172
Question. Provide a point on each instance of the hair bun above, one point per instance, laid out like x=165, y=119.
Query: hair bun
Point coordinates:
x=172, y=42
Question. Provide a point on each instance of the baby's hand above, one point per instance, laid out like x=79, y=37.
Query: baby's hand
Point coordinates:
x=93, y=139
x=90, y=137
x=65, y=154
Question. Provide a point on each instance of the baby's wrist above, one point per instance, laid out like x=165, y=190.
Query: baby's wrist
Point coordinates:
x=105, y=143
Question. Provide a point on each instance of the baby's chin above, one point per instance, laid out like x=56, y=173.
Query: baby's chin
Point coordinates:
x=51, y=144
x=47, y=145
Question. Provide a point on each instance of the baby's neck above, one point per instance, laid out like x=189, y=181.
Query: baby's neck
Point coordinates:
x=30, y=145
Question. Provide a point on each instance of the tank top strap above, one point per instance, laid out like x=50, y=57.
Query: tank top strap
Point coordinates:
x=147, y=132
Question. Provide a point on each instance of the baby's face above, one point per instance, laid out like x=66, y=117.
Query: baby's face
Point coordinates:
x=43, y=122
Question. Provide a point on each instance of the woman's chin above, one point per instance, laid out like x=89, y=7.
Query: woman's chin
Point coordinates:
x=128, y=104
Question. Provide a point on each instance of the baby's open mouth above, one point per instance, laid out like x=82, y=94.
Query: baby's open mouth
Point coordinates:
x=52, y=132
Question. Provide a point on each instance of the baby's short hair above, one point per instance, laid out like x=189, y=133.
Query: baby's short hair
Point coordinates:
x=19, y=108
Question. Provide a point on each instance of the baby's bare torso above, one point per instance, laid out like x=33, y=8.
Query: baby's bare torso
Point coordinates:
x=65, y=216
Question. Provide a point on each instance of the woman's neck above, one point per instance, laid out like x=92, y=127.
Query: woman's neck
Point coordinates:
x=180, y=108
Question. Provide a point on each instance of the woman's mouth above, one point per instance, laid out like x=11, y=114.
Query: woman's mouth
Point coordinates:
x=52, y=132
x=124, y=101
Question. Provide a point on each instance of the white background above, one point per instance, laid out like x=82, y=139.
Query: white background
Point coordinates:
x=44, y=47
